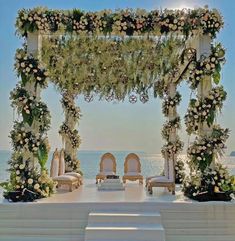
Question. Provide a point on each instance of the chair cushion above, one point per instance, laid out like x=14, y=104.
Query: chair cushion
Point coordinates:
x=160, y=179
x=132, y=174
x=73, y=174
x=106, y=173
x=65, y=178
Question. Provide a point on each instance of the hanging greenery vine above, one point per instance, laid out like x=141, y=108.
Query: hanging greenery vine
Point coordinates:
x=110, y=68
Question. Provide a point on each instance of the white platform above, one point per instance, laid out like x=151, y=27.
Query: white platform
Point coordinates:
x=64, y=217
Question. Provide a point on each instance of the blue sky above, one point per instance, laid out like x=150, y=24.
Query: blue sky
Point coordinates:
x=110, y=126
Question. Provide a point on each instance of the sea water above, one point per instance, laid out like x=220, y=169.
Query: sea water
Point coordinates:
x=152, y=164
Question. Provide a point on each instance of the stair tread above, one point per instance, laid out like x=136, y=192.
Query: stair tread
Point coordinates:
x=117, y=228
x=126, y=214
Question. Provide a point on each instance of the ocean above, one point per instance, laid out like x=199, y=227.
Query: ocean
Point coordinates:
x=152, y=164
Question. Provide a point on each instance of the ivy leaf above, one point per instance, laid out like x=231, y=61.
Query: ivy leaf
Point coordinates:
x=24, y=79
x=211, y=117
x=216, y=77
x=42, y=155
x=28, y=118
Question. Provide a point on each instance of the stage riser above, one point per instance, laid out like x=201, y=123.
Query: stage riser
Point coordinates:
x=50, y=222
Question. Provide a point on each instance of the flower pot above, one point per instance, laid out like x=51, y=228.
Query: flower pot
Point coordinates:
x=13, y=196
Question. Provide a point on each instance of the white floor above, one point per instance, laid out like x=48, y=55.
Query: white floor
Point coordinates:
x=65, y=215
x=133, y=193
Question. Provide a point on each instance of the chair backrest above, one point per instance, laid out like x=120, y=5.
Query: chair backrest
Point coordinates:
x=62, y=163
x=108, y=163
x=54, y=170
x=166, y=168
x=171, y=170
x=132, y=163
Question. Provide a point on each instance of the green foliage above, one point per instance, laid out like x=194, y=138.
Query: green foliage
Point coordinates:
x=109, y=67
x=42, y=155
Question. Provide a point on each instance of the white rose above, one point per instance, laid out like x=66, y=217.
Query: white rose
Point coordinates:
x=17, y=172
x=30, y=181
x=22, y=166
x=36, y=186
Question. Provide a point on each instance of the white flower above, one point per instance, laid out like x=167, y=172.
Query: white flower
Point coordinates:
x=17, y=172
x=36, y=186
x=22, y=166
x=30, y=181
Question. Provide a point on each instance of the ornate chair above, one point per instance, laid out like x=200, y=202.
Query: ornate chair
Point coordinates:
x=107, y=167
x=132, y=169
x=69, y=181
x=62, y=169
x=168, y=180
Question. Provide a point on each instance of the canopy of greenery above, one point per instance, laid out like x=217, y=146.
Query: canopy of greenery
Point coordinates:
x=110, y=67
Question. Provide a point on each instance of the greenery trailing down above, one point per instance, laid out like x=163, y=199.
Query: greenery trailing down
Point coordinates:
x=210, y=185
x=120, y=22
x=111, y=68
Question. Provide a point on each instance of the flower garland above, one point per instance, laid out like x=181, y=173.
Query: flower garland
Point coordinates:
x=72, y=164
x=169, y=125
x=207, y=66
x=170, y=103
x=204, y=110
x=29, y=69
x=72, y=135
x=69, y=134
x=121, y=22
x=201, y=152
x=68, y=104
x=172, y=148
x=30, y=108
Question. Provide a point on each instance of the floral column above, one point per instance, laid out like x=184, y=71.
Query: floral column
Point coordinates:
x=69, y=134
x=207, y=176
x=29, y=179
x=169, y=132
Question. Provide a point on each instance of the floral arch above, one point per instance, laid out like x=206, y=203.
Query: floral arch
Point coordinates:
x=114, y=55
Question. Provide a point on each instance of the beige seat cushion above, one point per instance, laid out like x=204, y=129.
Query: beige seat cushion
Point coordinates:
x=74, y=174
x=132, y=174
x=65, y=178
x=160, y=179
x=105, y=173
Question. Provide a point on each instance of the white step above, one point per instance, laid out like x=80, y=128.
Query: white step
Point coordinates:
x=114, y=226
x=124, y=218
x=147, y=233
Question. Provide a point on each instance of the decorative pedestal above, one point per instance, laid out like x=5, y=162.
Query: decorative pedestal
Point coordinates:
x=111, y=185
